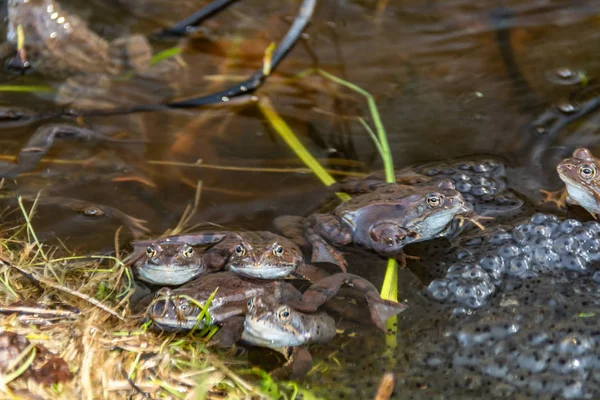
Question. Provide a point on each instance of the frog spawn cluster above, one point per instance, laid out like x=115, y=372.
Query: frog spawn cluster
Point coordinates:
x=539, y=337
x=480, y=182
x=541, y=245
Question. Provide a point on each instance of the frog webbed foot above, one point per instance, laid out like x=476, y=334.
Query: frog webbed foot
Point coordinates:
x=325, y=289
x=558, y=197
x=323, y=251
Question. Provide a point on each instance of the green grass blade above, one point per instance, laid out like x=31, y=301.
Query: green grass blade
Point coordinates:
x=293, y=143
x=26, y=88
x=165, y=54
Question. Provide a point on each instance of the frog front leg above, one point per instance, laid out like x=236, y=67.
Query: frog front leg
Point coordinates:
x=559, y=197
x=298, y=364
x=322, y=229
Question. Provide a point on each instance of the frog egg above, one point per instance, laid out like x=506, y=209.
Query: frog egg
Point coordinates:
x=538, y=219
x=517, y=266
x=545, y=257
x=469, y=198
x=565, y=244
x=495, y=369
x=593, y=226
x=464, y=166
x=565, y=365
x=582, y=234
x=493, y=265
x=508, y=251
x=439, y=289
x=573, y=262
x=464, y=254
x=500, y=236
x=591, y=246
x=536, y=242
x=461, y=176
x=481, y=167
x=553, y=226
x=481, y=180
x=463, y=187
x=526, y=229
x=542, y=230
x=479, y=190
x=432, y=172
x=532, y=361
x=575, y=344
x=467, y=356
x=568, y=225
x=466, y=271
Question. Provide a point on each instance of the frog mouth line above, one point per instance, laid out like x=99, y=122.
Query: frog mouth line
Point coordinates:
x=264, y=270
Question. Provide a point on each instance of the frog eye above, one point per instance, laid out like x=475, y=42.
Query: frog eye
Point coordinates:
x=284, y=314
x=184, y=306
x=250, y=303
x=435, y=200
x=187, y=251
x=93, y=212
x=240, y=250
x=587, y=171
x=278, y=250
x=150, y=251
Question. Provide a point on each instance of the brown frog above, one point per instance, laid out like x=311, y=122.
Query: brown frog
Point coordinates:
x=180, y=309
x=582, y=184
x=383, y=220
x=167, y=264
x=284, y=329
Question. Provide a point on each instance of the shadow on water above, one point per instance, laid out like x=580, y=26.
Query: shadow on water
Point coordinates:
x=451, y=79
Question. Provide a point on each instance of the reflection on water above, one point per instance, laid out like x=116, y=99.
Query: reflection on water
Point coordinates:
x=451, y=78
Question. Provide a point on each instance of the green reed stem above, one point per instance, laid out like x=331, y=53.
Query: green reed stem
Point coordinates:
x=26, y=88
x=389, y=289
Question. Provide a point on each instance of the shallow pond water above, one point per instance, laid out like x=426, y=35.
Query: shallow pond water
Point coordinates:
x=451, y=79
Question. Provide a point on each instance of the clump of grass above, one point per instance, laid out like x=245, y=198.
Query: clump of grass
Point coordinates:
x=54, y=301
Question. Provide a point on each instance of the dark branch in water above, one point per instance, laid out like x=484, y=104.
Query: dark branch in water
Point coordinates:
x=248, y=86
x=501, y=19
x=182, y=28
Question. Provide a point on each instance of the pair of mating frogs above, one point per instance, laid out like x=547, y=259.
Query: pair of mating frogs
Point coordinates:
x=249, y=301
